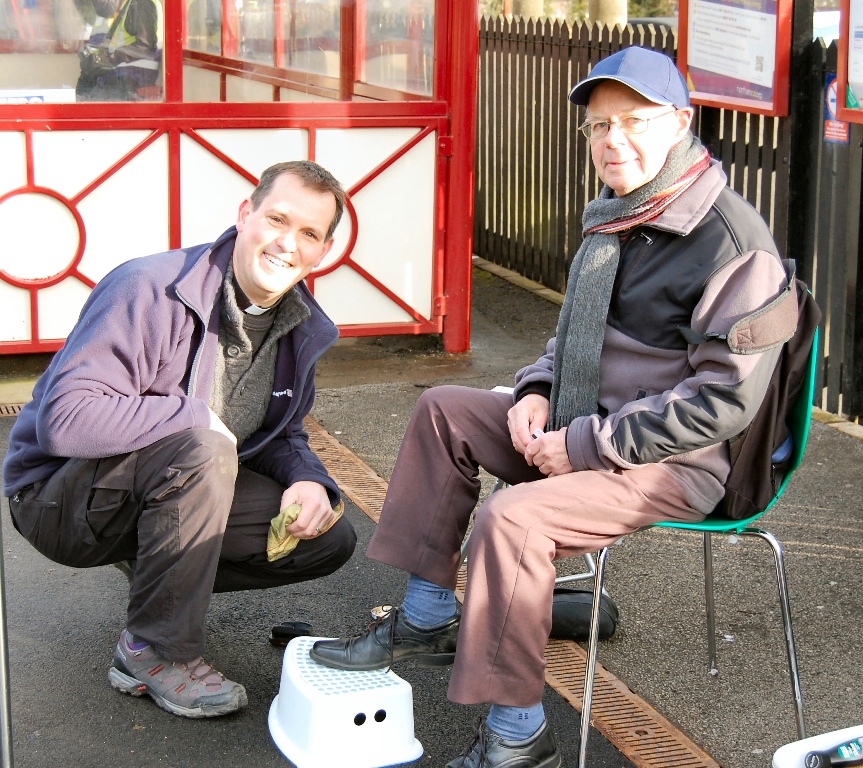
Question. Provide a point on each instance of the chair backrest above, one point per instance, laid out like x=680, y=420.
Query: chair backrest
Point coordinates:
x=801, y=419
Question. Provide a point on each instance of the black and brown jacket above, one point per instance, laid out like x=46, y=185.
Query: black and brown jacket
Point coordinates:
x=707, y=262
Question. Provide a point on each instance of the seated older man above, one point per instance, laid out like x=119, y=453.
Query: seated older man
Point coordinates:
x=632, y=422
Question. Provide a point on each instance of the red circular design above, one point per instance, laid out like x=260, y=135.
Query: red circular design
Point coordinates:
x=45, y=282
x=349, y=248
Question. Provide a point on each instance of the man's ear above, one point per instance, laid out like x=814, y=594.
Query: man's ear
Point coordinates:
x=243, y=213
x=327, y=248
x=684, y=120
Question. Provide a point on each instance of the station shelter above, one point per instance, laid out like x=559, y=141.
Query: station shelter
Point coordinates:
x=130, y=127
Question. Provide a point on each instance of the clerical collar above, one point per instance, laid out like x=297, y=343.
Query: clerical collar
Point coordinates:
x=245, y=305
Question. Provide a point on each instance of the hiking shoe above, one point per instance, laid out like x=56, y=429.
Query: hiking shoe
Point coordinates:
x=193, y=689
x=488, y=750
x=391, y=638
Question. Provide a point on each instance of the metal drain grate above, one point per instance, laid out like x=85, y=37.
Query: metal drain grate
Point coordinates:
x=641, y=733
x=365, y=487
x=10, y=410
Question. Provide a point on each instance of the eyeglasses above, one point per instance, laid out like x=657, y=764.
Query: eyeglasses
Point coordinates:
x=630, y=124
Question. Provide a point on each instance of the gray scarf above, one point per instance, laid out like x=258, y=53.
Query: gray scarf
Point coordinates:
x=582, y=321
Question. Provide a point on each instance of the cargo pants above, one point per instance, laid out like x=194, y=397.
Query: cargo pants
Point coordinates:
x=189, y=518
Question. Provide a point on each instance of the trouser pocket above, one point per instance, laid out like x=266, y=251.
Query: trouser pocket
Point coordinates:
x=111, y=510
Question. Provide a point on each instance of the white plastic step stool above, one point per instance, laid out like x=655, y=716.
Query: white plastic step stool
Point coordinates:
x=791, y=755
x=325, y=717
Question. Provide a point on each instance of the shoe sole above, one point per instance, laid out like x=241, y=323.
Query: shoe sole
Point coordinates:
x=134, y=687
x=422, y=659
x=553, y=761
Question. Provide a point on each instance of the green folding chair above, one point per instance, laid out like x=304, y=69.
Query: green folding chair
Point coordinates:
x=800, y=422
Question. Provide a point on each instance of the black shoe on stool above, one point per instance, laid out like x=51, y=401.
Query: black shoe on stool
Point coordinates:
x=488, y=750
x=391, y=638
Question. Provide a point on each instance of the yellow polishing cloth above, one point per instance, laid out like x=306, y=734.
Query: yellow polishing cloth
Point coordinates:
x=280, y=541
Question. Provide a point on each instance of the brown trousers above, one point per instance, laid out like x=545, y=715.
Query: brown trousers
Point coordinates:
x=518, y=533
x=192, y=521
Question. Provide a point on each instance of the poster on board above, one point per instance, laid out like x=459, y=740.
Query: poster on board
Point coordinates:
x=736, y=53
x=850, y=68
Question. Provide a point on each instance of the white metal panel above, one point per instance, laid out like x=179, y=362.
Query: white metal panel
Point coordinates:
x=45, y=255
x=211, y=193
x=349, y=300
x=395, y=240
x=59, y=307
x=67, y=161
x=352, y=153
x=39, y=70
x=200, y=85
x=127, y=215
x=15, y=317
x=13, y=161
x=257, y=150
x=240, y=89
x=291, y=94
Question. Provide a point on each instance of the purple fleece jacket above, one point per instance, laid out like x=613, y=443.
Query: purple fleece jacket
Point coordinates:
x=139, y=366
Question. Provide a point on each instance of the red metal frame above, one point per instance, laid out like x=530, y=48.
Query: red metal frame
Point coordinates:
x=781, y=72
x=843, y=112
x=450, y=114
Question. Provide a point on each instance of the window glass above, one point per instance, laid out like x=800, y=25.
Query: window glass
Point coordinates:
x=311, y=37
x=204, y=26
x=255, y=28
x=61, y=51
x=399, y=45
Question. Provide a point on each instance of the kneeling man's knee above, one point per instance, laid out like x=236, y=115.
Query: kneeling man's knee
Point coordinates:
x=341, y=543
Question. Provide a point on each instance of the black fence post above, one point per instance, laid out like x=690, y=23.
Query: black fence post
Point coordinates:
x=804, y=124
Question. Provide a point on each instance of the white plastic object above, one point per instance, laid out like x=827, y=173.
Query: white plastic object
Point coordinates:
x=326, y=717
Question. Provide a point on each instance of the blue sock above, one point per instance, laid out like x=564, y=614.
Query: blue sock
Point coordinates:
x=427, y=605
x=515, y=723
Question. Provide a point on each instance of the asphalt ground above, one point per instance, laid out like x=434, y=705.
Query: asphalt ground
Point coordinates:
x=63, y=623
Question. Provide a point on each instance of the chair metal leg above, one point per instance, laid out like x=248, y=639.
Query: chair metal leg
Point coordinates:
x=590, y=668
x=588, y=574
x=712, y=668
x=6, y=703
x=785, y=605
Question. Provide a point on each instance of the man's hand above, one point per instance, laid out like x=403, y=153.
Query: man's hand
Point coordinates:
x=548, y=453
x=524, y=418
x=316, y=515
x=219, y=426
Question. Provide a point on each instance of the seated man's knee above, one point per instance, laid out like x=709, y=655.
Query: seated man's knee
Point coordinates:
x=497, y=515
x=440, y=406
x=437, y=398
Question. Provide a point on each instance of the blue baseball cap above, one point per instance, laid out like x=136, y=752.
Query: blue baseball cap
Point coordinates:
x=652, y=74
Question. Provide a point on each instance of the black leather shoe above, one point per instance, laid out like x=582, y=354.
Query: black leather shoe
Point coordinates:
x=391, y=638
x=490, y=750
